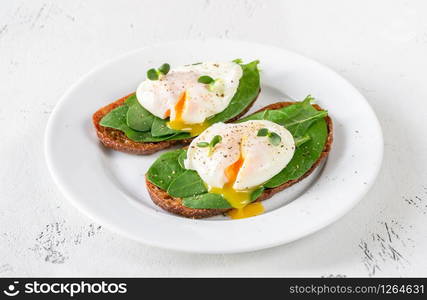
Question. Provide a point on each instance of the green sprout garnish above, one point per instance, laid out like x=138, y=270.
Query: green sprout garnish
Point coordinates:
x=262, y=132
x=215, y=140
x=273, y=137
x=237, y=61
x=164, y=69
x=213, y=85
x=155, y=74
x=203, y=144
x=206, y=79
x=152, y=74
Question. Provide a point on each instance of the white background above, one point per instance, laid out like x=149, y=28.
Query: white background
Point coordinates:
x=380, y=46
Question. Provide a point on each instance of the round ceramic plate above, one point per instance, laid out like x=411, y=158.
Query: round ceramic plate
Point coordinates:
x=109, y=186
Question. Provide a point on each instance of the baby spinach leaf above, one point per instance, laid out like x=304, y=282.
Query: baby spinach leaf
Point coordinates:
x=116, y=118
x=255, y=194
x=159, y=128
x=276, y=116
x=131, y=99
x=300, y=123
x=300, y=127
x=207, y=201
x=165, y=169
x=297, y=118
x=301, y=140
x=149, y=138
x=138, y=136
x=187, y=184
x=137, y=117
x=180, y=135
x=246, y=92
x=256, y=116
x=181, y=158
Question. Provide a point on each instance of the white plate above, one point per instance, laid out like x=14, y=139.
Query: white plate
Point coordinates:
x=109, y=186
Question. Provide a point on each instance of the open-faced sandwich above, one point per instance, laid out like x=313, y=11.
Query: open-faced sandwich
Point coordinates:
x=230, y=168
x=174, y=105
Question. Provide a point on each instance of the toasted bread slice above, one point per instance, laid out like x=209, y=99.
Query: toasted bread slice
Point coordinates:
x=117, y=140
x=174, y=205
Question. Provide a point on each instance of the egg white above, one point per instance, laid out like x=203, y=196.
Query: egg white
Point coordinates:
x=160, y=96
x=262, y=159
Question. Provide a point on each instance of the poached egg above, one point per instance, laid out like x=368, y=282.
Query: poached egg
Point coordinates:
x=241, y=162
x=187, y=103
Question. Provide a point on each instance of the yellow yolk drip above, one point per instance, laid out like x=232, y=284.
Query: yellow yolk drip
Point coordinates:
x=179, y=124
x=239, y=199
x=250, y=210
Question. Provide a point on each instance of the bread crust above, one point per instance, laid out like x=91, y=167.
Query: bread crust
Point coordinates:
x=175, y=206
x=117, y=140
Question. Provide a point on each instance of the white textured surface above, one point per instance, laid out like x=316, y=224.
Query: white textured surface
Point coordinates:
x=379, y=46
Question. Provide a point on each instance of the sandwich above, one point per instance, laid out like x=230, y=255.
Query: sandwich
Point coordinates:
x=172, y=106
x=230, y=168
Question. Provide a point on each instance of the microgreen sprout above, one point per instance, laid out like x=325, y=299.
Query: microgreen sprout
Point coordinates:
x=206, y=79
x=215, y=140
x=213, y=85
x=203, y=144
x=155, y=74
x=273, y=137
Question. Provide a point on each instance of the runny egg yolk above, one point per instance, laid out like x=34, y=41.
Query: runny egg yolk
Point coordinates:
x=179, y=124
x=238, y=199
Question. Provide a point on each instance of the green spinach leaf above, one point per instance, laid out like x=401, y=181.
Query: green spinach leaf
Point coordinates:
x=116, y=118
x=160, y=129
x=261, y=115
x=137, y=117
x=297, y=118
x=165, y=169
x=181, y=158
x=300, y=120
x=206, y=201
x=255, y=194
x=187, y=184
